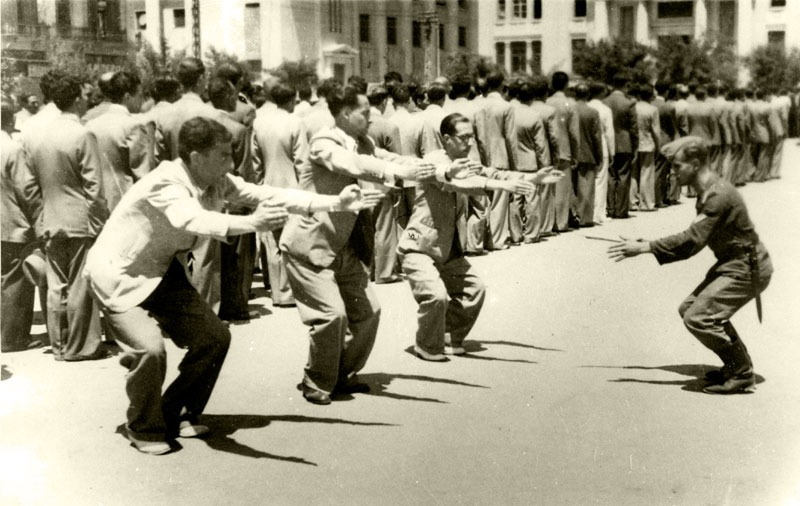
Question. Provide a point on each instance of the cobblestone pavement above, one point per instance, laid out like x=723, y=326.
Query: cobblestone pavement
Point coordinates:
x=581, y=386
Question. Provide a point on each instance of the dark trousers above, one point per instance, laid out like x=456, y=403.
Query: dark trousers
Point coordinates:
x=662, y=180
x=584, y=176
x=475, y=238
x=619, y=185
x=707, y=311
x=498, y=219
x=17, y=297
x=237, y=263
x=564, y=194
x=73, y=318
x=177, y=311
x=385, y=221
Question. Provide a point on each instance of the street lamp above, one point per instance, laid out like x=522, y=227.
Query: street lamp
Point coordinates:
x=102, y=5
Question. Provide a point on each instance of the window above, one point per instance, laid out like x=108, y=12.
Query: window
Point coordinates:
x=777, y=38
x=500, y=54
x=141, y=20
x=675, y=9
x=536, y=57
x=578, y=46
x=363, y=27
x=778, y=3
x=335, y=16
x=520, y=9
x=537, y=9
x=518, y=56
x=416, y=34
x=391, y=31
x=462, y=36
x=626, y=23
x=179, y=18
x=441, y=36
x=580, y=8
x=501, y=10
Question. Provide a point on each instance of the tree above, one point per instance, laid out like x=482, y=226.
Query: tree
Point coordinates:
x=295, y=73
x=709, y=60
x=470, y=64
x=772, y=67
x=604, y=59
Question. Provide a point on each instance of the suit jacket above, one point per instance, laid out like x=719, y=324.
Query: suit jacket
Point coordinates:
x=649, y=126
x=409, y=127
x=38, y=121
x=189, y=106
x=385, y=134
x=736, y=118
x=760, y=119
x=432, y=118
x=590, y=136
x=96, y=111
x=718, y=113
x=161, y=218
x=681, y=106
x=126, y=151
x=776, y=121
x=20, y=196
x=702, y=122
x=607, y=125
x=626, y=131
x=495, y=132
x=318, y=118
x=280, y=147
x=534, y=153
x=549, y=120
x=245, y=113
x=667, y=119
x=65, y=160
x=566, y=130
x=333, y=163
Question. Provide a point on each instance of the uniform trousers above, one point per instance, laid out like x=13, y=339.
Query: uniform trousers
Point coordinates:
x=662, y=182
x=385, y=221
x=776, y=159
x=715, y=155
x=237, y=263
x=643, y=182
x=276, y=269
x=450, y=297
x=563, y=196
x=73, y=318
x=707, y=311
x=523, y=217
x=174, y=310
x=16, y=296
x=738, y=163
x=619, y=185
x=584, y=176
x=601, y=192
x=548, y=209
x=498, y=219
x=763, y=163
x=474, y=241
x=332, y=300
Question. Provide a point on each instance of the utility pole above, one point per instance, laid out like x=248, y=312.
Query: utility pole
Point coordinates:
x=429, y=24
x=196, y=28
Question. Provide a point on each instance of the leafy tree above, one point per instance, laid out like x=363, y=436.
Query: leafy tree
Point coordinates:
x=708, y=60
x=603, y=59
x=772, y=67
x=471, y=64
x=295, y=73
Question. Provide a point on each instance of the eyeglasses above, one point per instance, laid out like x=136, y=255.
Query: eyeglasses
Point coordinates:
x=464, y=137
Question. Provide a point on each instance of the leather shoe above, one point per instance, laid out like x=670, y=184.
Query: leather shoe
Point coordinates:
x=313, y=395
x=741, y=383
x=430, y=357
x=351, y=387
x=100, y=354
x=715, y=376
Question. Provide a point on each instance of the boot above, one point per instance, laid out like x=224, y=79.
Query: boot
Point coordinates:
x=737, y=372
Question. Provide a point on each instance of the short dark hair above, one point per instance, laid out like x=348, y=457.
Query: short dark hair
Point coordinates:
x=304, y=91
x=121, y=83
x=46, y=83
x=66, y=91
x=495, y=80
x=189, y=72
x=283, y=93
x=481, y=85
x=539, y=87
x=343, y=97
x=513, y=87
x=460, y=86
x=645, y=92
x=525, y=90
x=400, y=94
x=231, y=71
x=201, y=134
x=449, y=122
x=596, y=89
x=559, y=81
x=620, y=80
x=220, y=90
x=377, y=95
x=581, y=91
x=165, y=86
x=662, y=87
x=327, y=86
x=358, y=83
x=436, y=92
x=392, y=76
x=761, y=93
x=6, y=113
x=700, y=92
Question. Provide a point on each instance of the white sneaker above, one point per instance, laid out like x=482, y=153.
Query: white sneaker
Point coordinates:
x=187, y=430
x=431, y=357
x=454, y=350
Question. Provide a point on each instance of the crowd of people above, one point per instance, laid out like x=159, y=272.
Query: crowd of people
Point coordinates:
x=155, y=207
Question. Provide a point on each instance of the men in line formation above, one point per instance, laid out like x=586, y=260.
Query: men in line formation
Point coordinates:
x=197, y=191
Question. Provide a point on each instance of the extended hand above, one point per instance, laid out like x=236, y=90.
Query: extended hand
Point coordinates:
x=353, y=198
x=267, y=217
x=463, y=167
x=420, y=171
x=628, y=248
x=546, y=176
x=520, y=187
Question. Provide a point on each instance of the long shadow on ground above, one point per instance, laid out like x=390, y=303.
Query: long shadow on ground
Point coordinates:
x=379, y=382
x=697, y=373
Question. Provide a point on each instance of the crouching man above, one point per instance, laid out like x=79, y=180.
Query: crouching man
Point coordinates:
x=136, y=271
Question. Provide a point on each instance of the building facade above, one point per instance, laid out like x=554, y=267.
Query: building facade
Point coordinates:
x=541, y=36
x=345, y=37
